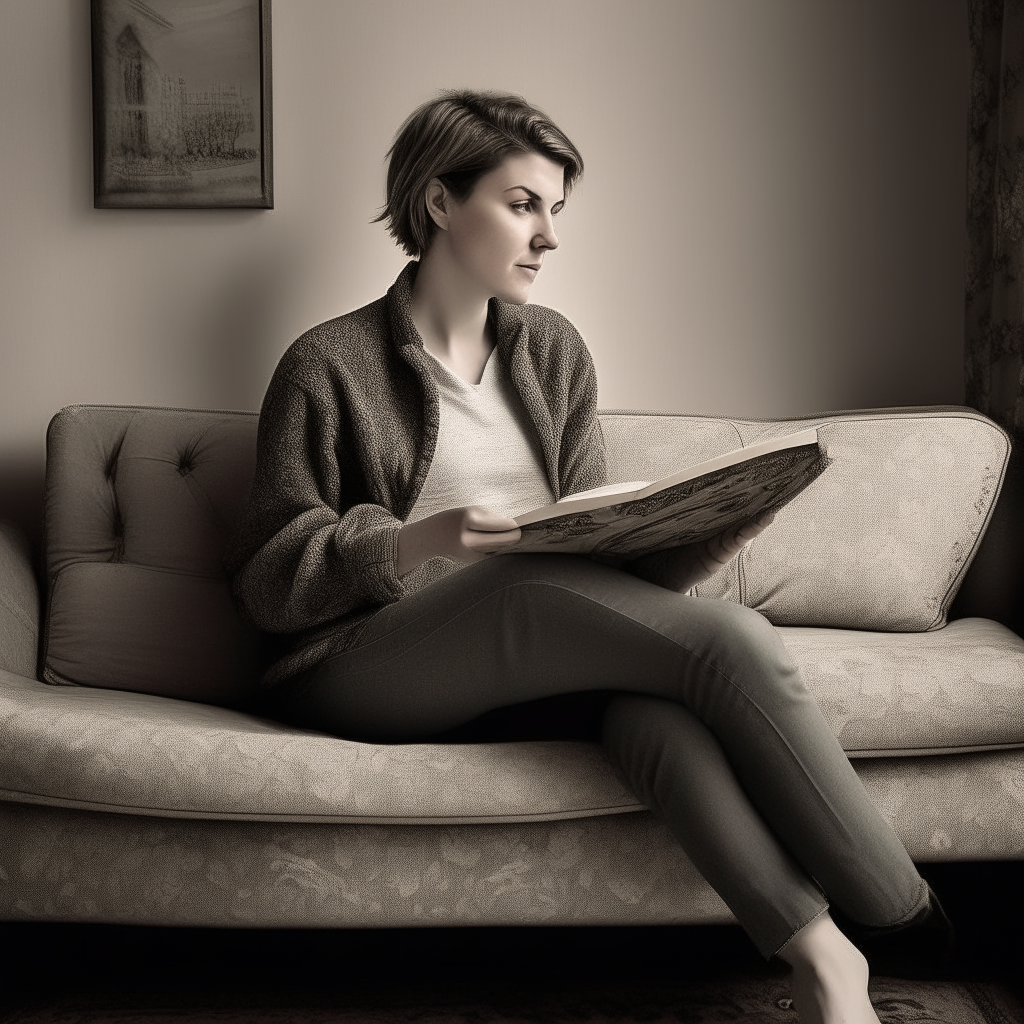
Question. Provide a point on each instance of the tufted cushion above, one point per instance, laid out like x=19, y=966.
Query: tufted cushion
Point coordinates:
x=139, y=504
x=880, y=541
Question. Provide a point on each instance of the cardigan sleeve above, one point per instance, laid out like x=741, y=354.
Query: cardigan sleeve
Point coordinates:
x=581, y=451
x=311, y=547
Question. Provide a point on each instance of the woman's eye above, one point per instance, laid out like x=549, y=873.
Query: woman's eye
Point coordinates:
x=523, y=207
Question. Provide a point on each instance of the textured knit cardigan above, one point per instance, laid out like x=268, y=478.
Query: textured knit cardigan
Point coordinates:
x=346, y=435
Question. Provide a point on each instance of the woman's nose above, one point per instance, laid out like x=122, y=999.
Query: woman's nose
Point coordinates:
x=546, y=238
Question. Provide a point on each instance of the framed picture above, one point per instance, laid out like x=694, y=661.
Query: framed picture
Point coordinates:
x=181, y=104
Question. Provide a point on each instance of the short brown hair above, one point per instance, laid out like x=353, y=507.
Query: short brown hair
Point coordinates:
x=458, y=138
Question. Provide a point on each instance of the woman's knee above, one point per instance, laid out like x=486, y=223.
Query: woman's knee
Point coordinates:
x=751, y=628
x=747, y=649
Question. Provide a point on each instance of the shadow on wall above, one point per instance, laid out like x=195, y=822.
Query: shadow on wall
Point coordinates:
x=238, y=340
x=21, y=496
x=226, y=363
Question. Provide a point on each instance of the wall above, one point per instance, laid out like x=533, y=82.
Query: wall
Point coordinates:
x=771, y=221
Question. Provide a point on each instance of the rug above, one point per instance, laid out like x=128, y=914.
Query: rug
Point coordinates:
x=753, y=1001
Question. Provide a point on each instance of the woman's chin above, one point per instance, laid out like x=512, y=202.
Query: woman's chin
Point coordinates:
x=516, y=296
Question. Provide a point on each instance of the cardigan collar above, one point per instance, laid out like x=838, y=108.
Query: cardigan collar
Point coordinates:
x=513, y=344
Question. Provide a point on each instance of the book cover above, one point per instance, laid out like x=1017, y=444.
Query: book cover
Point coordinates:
x=623, y=521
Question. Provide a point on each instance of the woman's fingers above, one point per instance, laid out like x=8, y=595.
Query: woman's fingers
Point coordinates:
x=751, y=529
x=461, y=534
x=485, y=531
x=726, y=546
x=490, y=541
x=476, y=517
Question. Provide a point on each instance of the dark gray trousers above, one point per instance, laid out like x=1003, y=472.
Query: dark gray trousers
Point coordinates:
x=709, y=723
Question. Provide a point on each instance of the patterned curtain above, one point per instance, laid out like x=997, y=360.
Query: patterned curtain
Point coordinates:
x=994, y=300
x=994, y=343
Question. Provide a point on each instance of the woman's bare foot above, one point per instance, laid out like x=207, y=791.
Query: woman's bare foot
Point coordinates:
x=830, y=976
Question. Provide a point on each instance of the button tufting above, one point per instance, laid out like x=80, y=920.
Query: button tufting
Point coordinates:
x=187, y=458
x=110, y=469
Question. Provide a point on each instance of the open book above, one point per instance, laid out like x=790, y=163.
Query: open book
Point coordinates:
x=622, y=521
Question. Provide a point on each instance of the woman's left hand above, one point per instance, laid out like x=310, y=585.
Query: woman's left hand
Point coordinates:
x=684, y=567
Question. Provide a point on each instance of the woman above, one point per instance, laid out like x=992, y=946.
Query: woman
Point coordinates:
x=394, y=445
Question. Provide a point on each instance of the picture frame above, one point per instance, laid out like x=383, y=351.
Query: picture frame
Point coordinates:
x=182, y=104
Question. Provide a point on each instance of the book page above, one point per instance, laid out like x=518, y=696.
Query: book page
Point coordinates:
x=598, y=497
x=629, y=488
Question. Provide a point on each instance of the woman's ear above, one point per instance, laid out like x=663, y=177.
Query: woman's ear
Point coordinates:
x=437, y=200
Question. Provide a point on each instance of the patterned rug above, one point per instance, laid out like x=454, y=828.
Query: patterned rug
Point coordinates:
x=753, y=1001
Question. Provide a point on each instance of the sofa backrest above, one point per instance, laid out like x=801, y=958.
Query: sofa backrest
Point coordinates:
x=138, y=507
x=880, y=541
x=139, y=504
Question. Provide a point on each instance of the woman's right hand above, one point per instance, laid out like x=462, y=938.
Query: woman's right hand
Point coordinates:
x=682, y=568
x=463, y=534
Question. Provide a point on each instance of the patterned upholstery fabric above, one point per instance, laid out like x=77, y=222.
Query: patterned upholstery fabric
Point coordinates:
x=105, y=749
x=68, y=865
x=958, y=688
x=880, y=541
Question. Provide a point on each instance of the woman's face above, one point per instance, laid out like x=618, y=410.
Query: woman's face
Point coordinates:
x=500, y=234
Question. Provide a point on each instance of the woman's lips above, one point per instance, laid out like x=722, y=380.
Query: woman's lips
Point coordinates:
x=533, y=270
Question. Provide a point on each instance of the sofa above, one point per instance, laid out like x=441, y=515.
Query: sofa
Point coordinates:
x=136, y=788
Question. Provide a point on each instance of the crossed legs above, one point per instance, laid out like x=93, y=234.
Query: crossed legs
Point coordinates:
x=710, y=725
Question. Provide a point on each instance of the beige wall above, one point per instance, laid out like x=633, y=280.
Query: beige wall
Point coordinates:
x=771, y=221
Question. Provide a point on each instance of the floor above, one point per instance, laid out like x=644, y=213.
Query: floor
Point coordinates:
x=89, y=973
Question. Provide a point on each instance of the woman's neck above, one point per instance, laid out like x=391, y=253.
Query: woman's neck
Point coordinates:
x=451, y=316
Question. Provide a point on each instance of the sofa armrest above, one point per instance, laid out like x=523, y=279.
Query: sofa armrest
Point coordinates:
x=19, y=604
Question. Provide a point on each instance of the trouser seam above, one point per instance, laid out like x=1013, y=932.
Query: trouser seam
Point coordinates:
x=919, y=904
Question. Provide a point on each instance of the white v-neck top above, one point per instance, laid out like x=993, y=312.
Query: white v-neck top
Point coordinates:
x=487, y=449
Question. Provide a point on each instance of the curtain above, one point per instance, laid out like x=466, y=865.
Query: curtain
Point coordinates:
x=994, y=300
x=994, y=292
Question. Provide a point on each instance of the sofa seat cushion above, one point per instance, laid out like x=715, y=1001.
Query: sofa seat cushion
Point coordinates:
x=138, y=753
x=956, y=689
x=950, y=690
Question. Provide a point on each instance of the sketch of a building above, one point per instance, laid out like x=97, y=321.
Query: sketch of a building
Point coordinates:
x=139, y=80
x=160, y=136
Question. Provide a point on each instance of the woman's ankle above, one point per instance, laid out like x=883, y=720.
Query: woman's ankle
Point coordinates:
x=830, y=975
x=820, y=946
